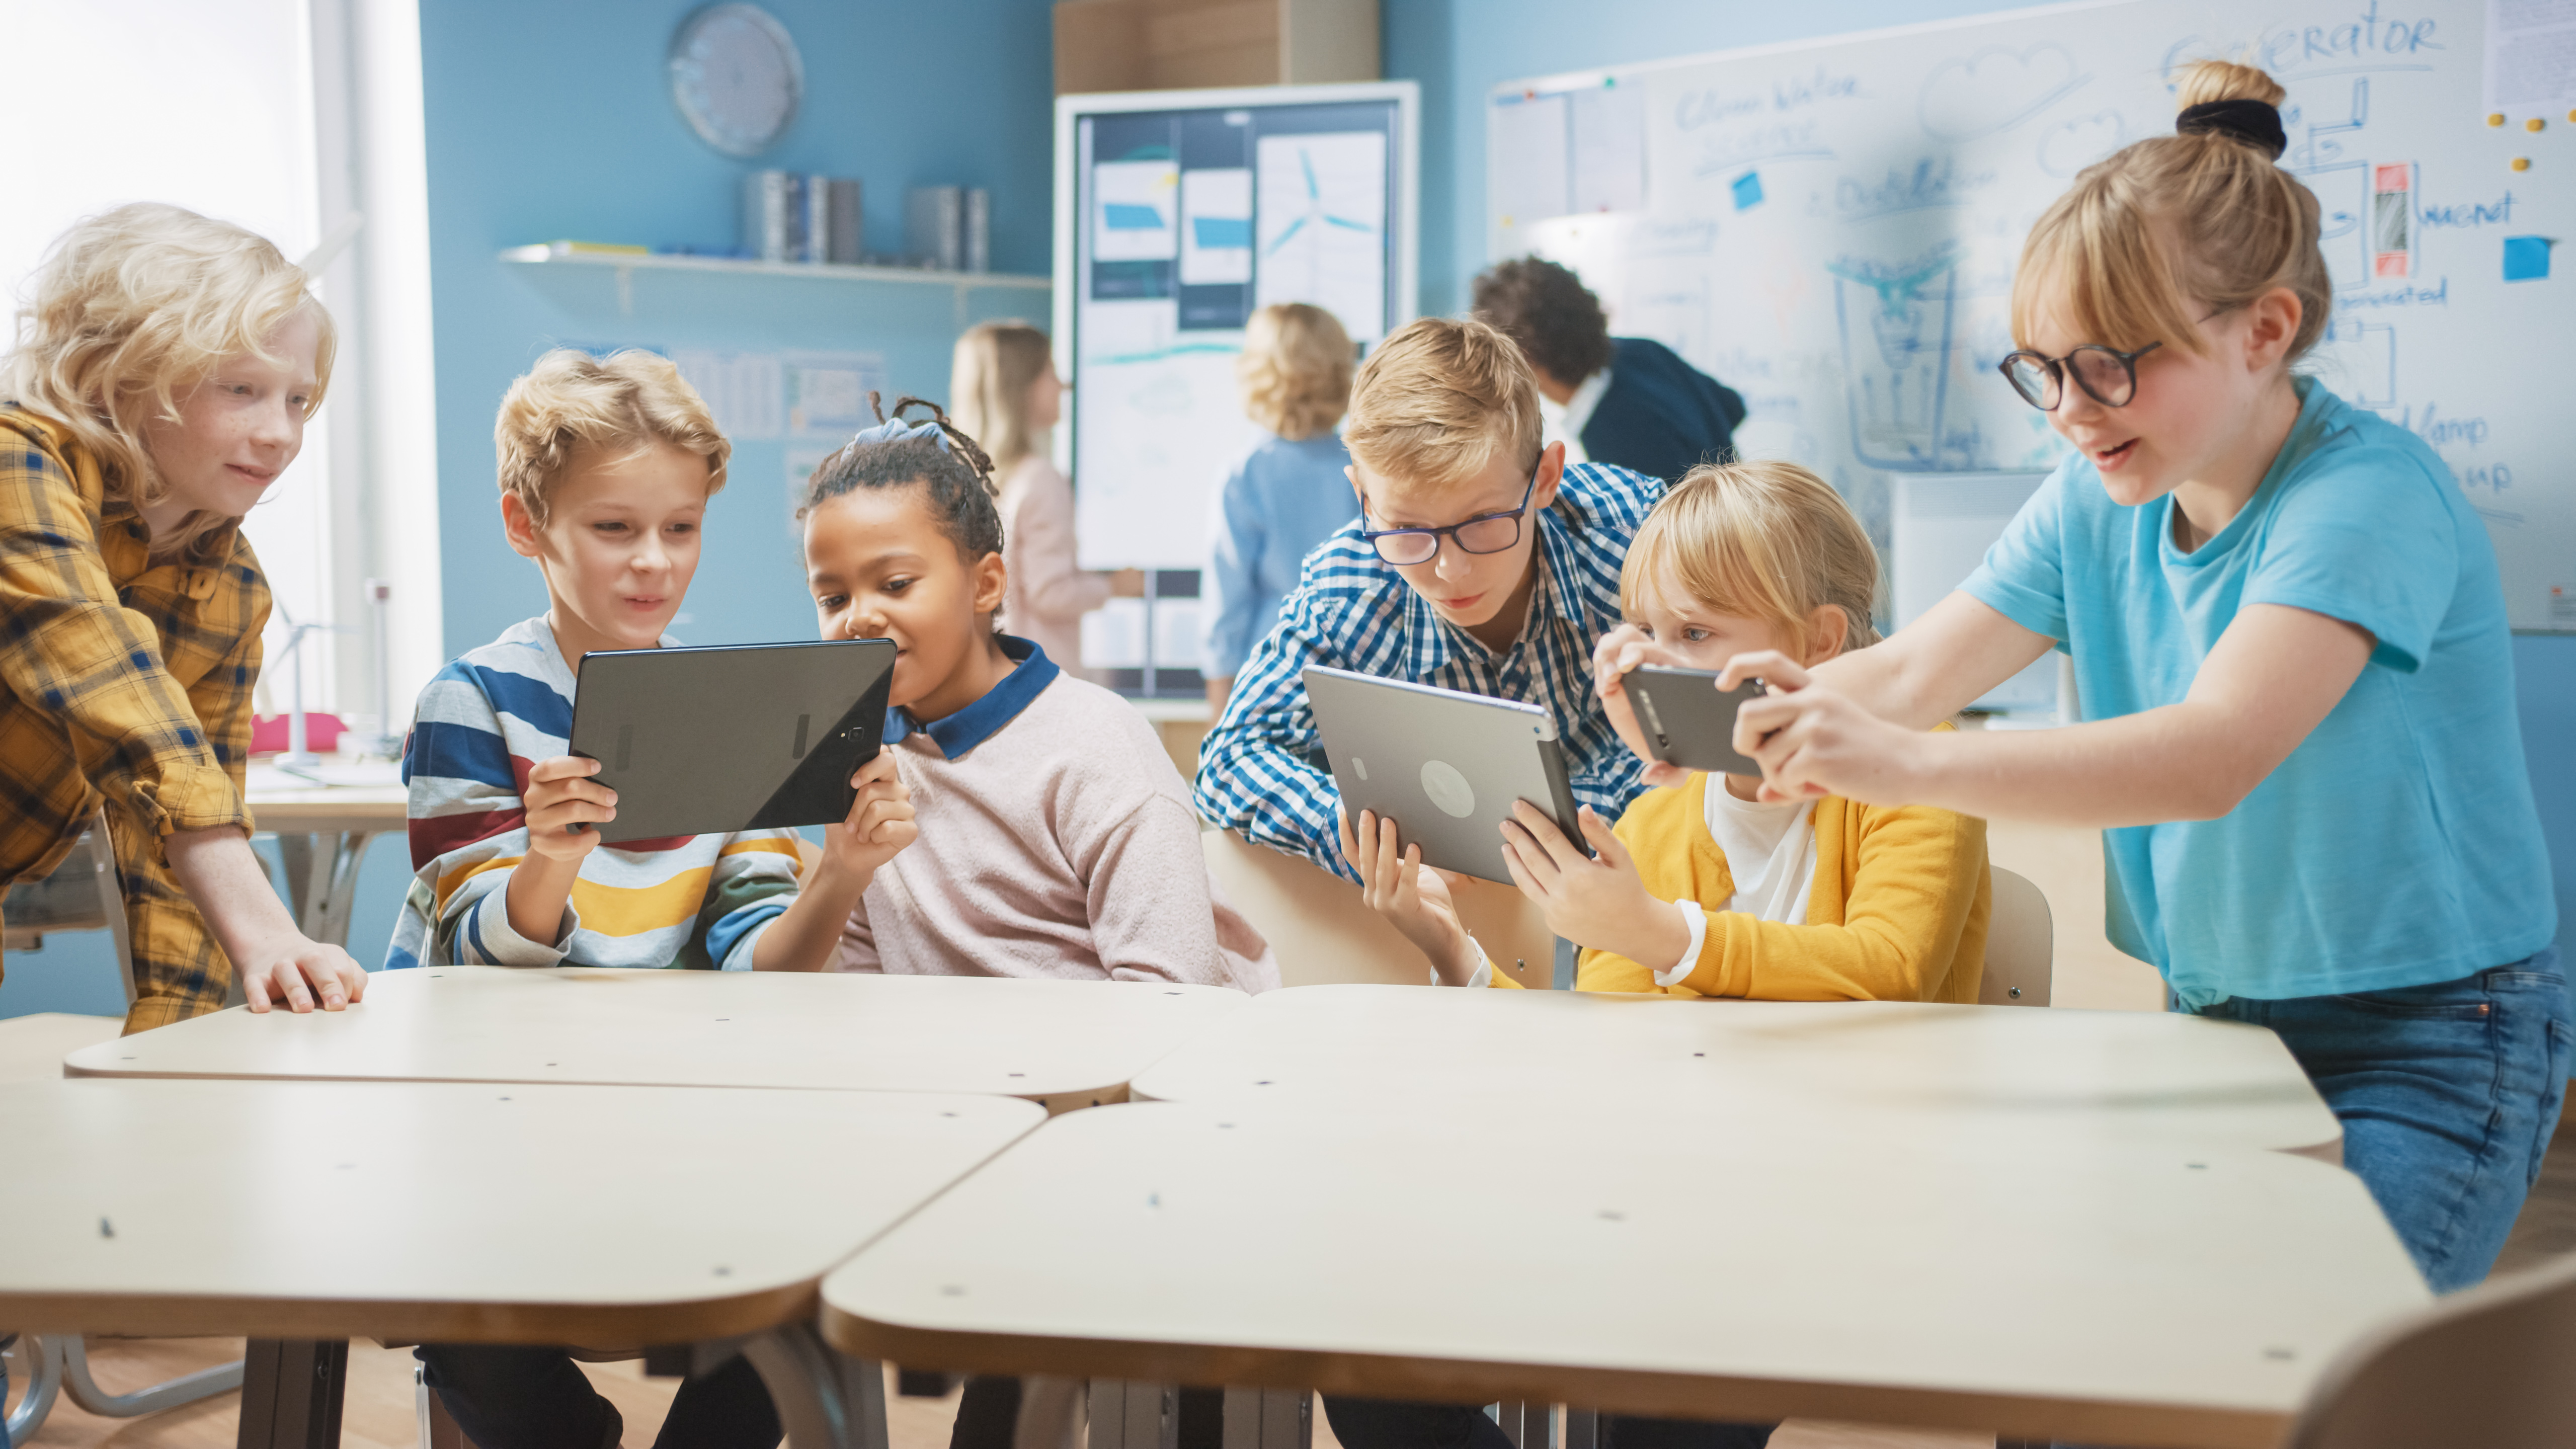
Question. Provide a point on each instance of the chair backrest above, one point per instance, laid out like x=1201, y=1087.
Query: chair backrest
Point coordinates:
x=2488, y=1366
x=81, y=895
x=1324, y=933
x=2020, y=944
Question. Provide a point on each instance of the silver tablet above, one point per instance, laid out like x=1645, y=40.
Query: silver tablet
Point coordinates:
x=704, y=741
x=1444, y=766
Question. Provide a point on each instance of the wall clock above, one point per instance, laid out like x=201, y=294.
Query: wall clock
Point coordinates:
x=737, y=78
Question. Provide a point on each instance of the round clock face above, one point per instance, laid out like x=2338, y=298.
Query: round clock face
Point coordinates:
x=736, y=76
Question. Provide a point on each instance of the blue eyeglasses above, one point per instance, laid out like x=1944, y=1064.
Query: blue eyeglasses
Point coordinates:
x=1484, y=533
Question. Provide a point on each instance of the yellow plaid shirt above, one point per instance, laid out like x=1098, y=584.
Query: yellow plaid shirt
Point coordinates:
x=128, y=679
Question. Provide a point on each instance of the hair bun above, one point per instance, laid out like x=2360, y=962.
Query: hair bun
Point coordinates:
x=2256, y=123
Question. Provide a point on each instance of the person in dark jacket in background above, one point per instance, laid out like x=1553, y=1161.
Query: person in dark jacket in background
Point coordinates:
x=1624, y=400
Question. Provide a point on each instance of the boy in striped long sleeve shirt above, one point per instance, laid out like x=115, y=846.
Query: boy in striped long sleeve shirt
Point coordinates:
x=606, y=467
x=1479, y=562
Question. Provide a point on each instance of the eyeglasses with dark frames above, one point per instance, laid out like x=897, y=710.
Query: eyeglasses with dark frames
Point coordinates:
x=1484, y=533
x=2107, y=375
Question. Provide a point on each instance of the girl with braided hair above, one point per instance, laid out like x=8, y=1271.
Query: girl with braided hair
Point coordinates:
x=1056, y=838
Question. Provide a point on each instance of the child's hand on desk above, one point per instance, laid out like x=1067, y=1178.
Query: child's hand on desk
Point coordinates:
x=880, y=822
x=1597, y=902
x=560, y=795
x=1619, y=651
x=1413, y=897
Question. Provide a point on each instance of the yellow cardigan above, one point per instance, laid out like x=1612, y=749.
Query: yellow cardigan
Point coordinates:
x=1898, y=912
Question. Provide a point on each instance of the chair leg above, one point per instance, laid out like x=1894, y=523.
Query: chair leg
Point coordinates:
x=291, y=1393
x=1269, y=1419
x=73, y=1355
x=825, y=1399
x=44, y=1375
x=437, y=1428
x=1131, y=1415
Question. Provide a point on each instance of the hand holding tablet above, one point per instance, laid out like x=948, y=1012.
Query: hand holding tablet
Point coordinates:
x=1446, y=766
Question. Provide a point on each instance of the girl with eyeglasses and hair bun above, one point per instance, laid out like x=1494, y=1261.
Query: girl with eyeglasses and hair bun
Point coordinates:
x=2290, y=643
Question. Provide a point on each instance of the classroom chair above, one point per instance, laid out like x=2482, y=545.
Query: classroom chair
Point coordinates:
x=2486, y=1366
x=2020, y=944
x=1323, y=934
x=82, y=895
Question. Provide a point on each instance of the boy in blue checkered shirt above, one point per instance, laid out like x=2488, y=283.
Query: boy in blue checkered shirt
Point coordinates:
x=1479, y=562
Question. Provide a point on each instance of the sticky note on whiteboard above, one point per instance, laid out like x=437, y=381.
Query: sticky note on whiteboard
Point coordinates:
x=2526, y=258
x=1748, y=190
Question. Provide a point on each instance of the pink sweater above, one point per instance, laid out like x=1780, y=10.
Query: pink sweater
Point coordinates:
x=1059, y=844
x=1045, y=592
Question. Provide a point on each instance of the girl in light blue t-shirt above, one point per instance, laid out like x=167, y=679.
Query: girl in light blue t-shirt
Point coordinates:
x=2290, y=643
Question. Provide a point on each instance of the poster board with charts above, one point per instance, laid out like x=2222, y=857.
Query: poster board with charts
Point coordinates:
x=1832, y=227
x=1178, y=213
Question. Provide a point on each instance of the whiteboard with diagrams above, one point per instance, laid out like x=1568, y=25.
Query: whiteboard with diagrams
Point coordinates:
x=1832, y=229
x=1179, y=213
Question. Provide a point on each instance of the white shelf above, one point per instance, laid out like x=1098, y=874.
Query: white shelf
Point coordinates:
x=627, y=264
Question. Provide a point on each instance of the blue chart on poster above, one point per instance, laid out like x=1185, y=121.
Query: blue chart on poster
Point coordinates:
x=1832, y=230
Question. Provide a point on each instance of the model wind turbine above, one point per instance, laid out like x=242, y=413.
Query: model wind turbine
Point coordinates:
x=299, y=758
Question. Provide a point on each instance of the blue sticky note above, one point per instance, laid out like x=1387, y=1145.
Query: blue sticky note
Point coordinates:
x=2526, y=258
x=1748, y=194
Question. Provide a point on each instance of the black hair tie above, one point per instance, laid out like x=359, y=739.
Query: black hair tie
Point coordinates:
x=2252, y=122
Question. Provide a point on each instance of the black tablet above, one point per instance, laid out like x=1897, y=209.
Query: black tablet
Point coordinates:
x=1689, y=719
x=734, y=737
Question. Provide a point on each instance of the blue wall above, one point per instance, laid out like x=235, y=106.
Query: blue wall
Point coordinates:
x=555, y=120
x=1459, y=49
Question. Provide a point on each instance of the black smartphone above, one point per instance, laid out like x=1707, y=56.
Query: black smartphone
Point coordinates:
x=1688, y=719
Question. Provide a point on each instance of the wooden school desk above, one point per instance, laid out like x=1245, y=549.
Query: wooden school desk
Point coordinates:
x=2091, y=1074
x=1062, y=1044
x=1934, y=1273
x=305, y=1214
x=322, y=833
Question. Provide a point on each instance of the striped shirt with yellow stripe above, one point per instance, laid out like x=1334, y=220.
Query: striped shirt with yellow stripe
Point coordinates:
x=691, y=901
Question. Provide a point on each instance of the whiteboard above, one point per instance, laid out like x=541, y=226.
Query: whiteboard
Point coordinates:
x=1178, y=213
x=1831, y=229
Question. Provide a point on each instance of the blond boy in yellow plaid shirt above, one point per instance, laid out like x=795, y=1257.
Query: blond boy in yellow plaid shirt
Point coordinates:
x=164, y=371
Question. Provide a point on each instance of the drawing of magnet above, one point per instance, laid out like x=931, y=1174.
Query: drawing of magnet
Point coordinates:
x=2392, y=202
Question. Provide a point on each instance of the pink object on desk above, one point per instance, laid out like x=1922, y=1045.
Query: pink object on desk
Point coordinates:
x=321, y=733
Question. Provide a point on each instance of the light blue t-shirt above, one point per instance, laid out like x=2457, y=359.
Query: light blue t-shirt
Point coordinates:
x=1281, y=500
x=2398, y=844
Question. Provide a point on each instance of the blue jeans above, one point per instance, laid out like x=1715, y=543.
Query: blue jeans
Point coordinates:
x=2448, y=1094
x=1395, y=1424
x=538, y=1398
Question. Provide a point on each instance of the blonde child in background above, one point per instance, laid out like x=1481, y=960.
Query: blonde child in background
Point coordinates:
x=2290, y=639
x=1003, y=387
x=1289, y=493
x=161, y=377
x=1703, y=889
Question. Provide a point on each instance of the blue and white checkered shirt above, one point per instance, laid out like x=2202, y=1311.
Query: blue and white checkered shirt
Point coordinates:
x=1258, y=771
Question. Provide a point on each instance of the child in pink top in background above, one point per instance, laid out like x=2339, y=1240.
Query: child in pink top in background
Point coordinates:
x=1004, y=393
x=1056, y=838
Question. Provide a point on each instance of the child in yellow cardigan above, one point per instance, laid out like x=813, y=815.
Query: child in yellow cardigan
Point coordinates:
x=1703, y=890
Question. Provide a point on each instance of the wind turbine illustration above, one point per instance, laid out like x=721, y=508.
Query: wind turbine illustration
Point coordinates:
x=1314, y=211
